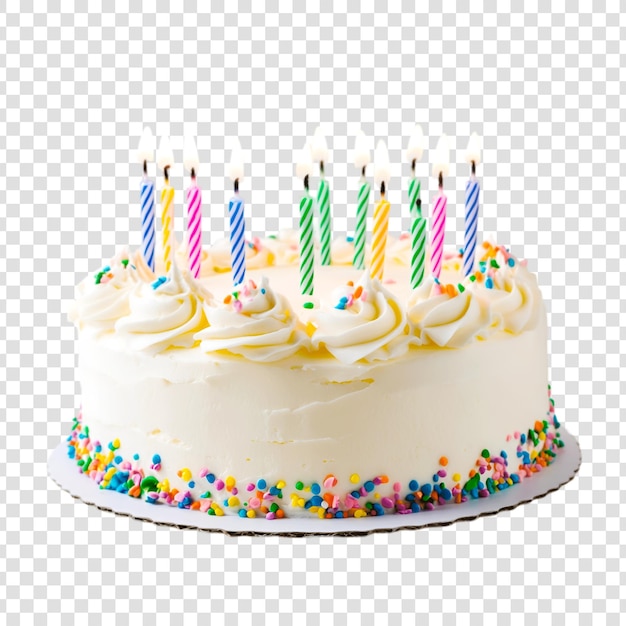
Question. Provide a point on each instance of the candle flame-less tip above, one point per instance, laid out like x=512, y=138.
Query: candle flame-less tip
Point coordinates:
x=165, y=156
x=382, y=168
x=474, y=149
x=304, y=163
x=191, y=160
x=145, y=150
x=235, y=167
x=361, y=155
x=319, y=147
x=441, y=157
x=415, y=147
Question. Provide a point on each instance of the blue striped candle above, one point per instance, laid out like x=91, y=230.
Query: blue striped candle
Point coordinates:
x=237, y=239
x=471, y=224
x=148, y=231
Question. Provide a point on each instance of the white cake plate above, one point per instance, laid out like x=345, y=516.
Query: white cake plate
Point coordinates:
x=63, y=471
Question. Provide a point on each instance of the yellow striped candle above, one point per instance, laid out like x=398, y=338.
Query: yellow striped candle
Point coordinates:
x=381, y=212
x=165, y=160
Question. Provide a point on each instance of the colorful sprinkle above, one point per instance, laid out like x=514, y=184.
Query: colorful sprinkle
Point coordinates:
x=536, y=449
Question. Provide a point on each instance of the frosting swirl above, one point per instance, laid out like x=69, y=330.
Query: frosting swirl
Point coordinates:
x=258, y=324
x=504, y=296
x=165, y=314
x=446, y=321
x=367, y=324
x=101, y=300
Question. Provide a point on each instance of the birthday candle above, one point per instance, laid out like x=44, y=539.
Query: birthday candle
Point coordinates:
x=440, y=169
x=307, y=253
x=165, y=160
x=472, y=190
x=382, y=176
x=145, y=153
x=414, y=153
x=194, y=208
x=237, y=219
x=362, y=159
x=319, y=152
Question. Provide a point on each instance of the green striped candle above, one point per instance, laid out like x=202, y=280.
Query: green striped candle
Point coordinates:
x=319, y=152
x=307, y=250
x=418, y=222
x=362, y=159
x=418, y=235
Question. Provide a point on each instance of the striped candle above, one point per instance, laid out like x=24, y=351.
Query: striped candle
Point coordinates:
x=191, y=162
x=167, y=221
x=382, y=176
x=307, y=254
x=165, y=160
x=471, y=225
x=145, y=153
x=439, y=231
x=440, y=169
x=362, y=159
x=361, y=224
x=472, y=191
x=418, y=235
x=319, y=152
x=379, y=237
x=236, y=215
x=148, y=229
x=237, y=239
x=194, y=227
x=307, y=251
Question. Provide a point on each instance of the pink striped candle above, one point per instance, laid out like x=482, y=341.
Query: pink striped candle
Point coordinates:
x=439, y=231
x=194, y=209
x=440, y=169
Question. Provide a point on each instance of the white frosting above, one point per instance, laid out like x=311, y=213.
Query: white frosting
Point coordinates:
x=99, y=305
x=371, y=327
x=219, y=258
x=248, y=400
x=513, y=305
x=165, y=316
x=258, y=325
x=284, y=246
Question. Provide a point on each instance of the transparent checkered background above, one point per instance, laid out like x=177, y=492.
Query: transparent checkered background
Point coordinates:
x=544, y=87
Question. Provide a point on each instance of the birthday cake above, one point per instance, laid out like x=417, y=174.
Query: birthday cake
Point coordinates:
x=367, y=397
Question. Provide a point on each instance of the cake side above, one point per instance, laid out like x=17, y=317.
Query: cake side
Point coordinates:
x=367, y=400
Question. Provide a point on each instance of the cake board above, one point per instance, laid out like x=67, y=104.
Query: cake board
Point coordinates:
x=62, y=470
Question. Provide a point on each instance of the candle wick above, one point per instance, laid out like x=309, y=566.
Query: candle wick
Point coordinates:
x=363, y=172
x=166, y=173
x=145, y=167
x=193, y=174
x=236, y=185
x=440, y=180
x=306, y=182
x=473, y=168
x=382, y=189
x=322, y=168
x=413, y=162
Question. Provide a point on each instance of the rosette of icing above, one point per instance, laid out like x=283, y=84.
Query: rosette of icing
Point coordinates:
x=104, y=298
x=514, y=298
x=165, y=314
x=254, y=322
x=503, y=296
x=258, y=256
x=366, y=323
x=445, y=320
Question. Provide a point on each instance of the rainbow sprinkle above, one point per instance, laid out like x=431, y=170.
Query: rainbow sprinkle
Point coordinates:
x=378, y=495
